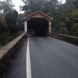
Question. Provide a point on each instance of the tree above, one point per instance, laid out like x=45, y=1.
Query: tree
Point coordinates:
x=11, y=20
x=70, y=1
x=6, y=6
x=75, y=3
x=74, y=19
x=3, y=25
x=42, y=5
x=8, y=21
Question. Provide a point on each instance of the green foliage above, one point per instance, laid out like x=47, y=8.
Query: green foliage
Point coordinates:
x=69, y=1
x=11, y=20
x=8, y=21
x=74, y=15
x=62, y=28
x=68, y=14
x=43, y=5
x=74, y=19
x=2, y=24
x=75, y=27
x=2, y=20
x=75, y=3
x=6, y=6
x=5, y=38
x=10, y=16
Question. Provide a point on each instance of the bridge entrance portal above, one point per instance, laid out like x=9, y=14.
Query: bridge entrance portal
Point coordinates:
x=38, y=24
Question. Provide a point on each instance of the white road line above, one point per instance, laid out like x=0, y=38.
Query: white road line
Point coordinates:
x=28, y=62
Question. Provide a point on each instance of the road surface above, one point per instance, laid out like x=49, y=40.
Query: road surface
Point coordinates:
x=49, y=58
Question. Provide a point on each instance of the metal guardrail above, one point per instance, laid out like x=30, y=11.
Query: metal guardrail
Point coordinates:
x=67, y=38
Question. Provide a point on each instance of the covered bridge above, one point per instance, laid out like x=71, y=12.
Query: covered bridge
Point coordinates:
x=39, y=22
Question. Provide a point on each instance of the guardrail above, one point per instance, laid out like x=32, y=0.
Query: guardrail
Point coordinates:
x=9, y=50
x=67, y=38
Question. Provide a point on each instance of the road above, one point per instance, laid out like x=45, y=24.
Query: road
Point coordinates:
x=49, y=57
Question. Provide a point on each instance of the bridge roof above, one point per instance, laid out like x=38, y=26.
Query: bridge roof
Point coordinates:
x=38, y=14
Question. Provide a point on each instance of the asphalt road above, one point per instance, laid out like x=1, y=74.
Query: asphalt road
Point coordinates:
x=50, y=58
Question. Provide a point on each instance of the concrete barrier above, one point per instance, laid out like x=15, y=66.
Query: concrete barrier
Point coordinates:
x=67, y=38
x=8, y=50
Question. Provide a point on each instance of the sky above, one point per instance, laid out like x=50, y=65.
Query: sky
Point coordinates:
x=18, y=3
x=63, y=1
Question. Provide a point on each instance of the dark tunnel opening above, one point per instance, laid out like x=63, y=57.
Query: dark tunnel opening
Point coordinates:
x=39, y=26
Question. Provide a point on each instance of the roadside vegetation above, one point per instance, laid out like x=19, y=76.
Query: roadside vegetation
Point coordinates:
x=10, y=24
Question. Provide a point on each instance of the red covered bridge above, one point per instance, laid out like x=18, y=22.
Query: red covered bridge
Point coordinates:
x=39, y=22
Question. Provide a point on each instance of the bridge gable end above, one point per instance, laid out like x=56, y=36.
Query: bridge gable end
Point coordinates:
x=38, y=14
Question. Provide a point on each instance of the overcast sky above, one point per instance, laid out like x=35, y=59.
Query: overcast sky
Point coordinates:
x=17, y=3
